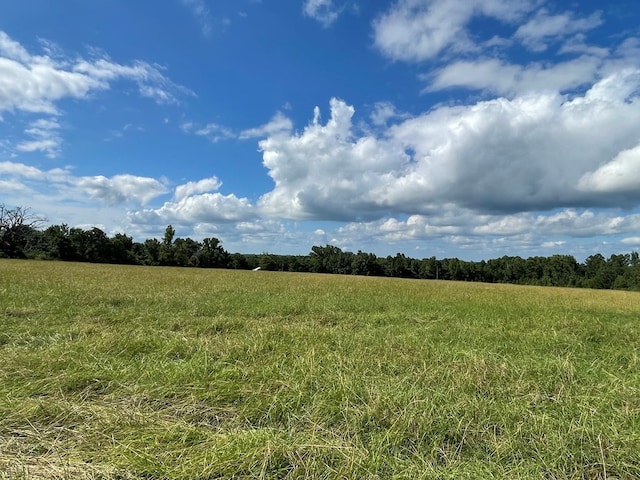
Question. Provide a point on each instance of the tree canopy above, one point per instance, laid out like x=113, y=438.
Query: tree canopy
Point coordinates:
x=21, y=236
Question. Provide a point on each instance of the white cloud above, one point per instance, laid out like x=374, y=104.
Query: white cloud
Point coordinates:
x=383, y=112
x=631, y=241
x=19, y=171
x=523, y=154
x=50, y=146
x=553, y=244
x=249, y=233
x=213, y=131
x=65, y=198
x=187, y=127
x=544, y=27
x=324, y=172
x=201, y=12
x=323, y=11
x=439, y=31
x=568, y=222
x=34, y=83
x=43, y=125
x=577, y=44
x=121, y=188
x=63, y=184
x=205, y=208
x=36, y=86
x=9, y=186
x=11, y=49
x=464, y=228
x=496, y=76
x=418, y=30
x=44, y=137
x=152, y=83
x=621, y=174
x=278, y=124
x=201, y=186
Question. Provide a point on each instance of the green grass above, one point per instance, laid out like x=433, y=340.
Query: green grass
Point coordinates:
x=117, y=372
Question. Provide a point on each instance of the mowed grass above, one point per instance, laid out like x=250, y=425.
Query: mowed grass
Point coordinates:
x=117, y=372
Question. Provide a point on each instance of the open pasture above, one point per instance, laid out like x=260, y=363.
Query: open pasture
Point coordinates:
x=117, y=372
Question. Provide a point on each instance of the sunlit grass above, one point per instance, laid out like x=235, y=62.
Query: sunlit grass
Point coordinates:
x=133, y=372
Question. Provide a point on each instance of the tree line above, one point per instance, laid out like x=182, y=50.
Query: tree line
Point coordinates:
x=22, y=236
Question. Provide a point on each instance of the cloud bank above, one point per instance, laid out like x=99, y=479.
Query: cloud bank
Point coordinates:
x=534, y=152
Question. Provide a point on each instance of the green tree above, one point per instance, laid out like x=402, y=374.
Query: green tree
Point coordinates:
x=121, y=249
x=18, y=229
x=96, y=246
x=562, y=270
x=148, y=253
x=238, y=261
x=398, y=266
x=270, y=262
x=57, y=242
x=633, y=271
x=595, y=271
x=330, y=259
x=166, y=254
x=213, y=254
x=429, y=268
x=365, y=264
x=185, y=251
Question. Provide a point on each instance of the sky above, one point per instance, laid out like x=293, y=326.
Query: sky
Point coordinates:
x=448, y=128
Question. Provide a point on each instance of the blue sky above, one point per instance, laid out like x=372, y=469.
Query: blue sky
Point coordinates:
x=462, y=128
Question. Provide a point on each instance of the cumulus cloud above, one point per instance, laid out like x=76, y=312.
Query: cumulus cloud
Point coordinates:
x=114, y=190
x=66, y=197
x=621, y=174
x=20, y=170
x=325, y=172
x=383, y=112
x=201, y=186
x=534, y=152
x=205, y=208
x=567, y=222
x=552, y=244
x=464, y=227
x=121, y=188
x=35, y=87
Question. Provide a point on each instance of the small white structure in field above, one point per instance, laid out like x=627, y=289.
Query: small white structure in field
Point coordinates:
x=255, y=269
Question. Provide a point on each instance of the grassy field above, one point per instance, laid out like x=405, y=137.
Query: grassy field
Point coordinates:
x=116, y=372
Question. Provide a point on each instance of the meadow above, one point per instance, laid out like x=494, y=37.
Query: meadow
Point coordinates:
x=120, y=372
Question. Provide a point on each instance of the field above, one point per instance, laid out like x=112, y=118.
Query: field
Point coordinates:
x=116, y=372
